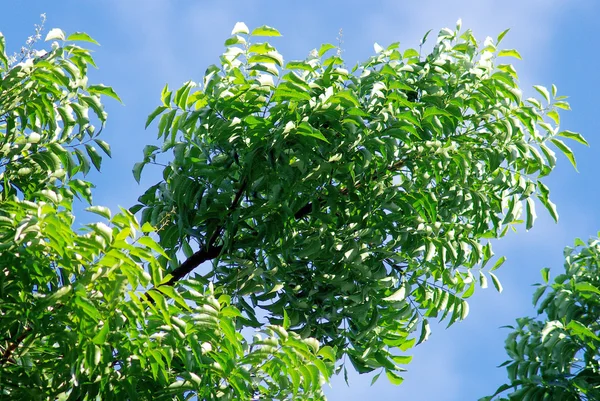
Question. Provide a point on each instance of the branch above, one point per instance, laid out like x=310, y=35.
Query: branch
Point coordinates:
x=192, y=262
x=12, y=347
x=211, y=251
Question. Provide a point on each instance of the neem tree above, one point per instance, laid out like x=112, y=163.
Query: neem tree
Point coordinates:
x=335, y=211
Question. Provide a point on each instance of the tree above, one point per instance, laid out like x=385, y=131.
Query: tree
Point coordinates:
x=335, y=211
x=555, y=356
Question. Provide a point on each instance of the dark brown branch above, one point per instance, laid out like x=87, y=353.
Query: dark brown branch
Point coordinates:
x=192, y=262
x=6, y=355
x=304, y=211
x=209, y=252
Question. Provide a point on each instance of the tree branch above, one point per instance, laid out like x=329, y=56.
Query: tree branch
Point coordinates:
x=6, y=355
x=192, y=262
x=210, y=251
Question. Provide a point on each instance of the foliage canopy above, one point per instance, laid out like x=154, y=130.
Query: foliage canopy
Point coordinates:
x=334, y=210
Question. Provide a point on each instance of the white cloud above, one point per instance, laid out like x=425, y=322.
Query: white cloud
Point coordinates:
x=531, y=22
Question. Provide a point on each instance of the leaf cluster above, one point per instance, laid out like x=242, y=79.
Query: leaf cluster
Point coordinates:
x=555, y=356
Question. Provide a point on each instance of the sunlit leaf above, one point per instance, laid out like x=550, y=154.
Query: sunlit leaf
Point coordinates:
x=509, y=53
x=55, y=34
x=265, y=31
x=81, y=37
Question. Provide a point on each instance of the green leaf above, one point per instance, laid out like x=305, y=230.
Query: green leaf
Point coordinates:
x=295, y=380
x=94, y=156
x=425, y=37
x=327, y=353
x=165, y=95
x=542, y=91
x=562, y=105
x=501, y=36
x=307, y=130
x=574, y=136
x=286, y=320
x=58, y=295
x=261, y=48
x=554, y=116
x=408, y=344
x=174, y=295
x=235, y=40
x=149, y=151
x=87, y=307
x=496, y=282
x=150, y=243
x=82, y=188
x=104, y=90
x=375, y=378
x=82, y=37
x=402, y=359
x=3, y=57
x=483, y=283
x=325, y=48
x=270, y=58
x=104, y=146
x=285, y=93
x=425, y=331
x=84, y=163
x=498, y=263
x=530, y=211
x=566, y=151
x=545, y=274
x=100, y=210
x=510, y=53
x=137, y=170
x=550, y=206
x=434, y=111
x=393, y=377
x=470, y=290
x=410, y=53
x=103, y=230
x=538, y=294
x=100, y=338
x=154, y=114
x=580, y=329
x=265, y=31
x=399, y=295
x=587, y=287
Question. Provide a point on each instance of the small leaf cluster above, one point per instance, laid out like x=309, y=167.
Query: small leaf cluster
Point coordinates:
x=50, y=138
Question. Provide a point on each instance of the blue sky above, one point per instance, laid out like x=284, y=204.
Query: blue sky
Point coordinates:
x=146, y=44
